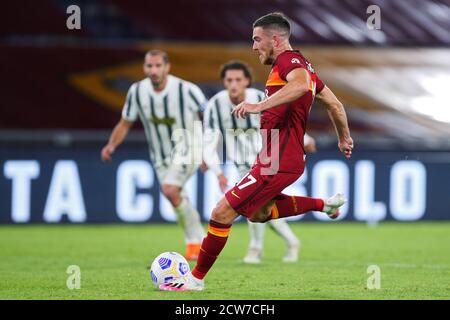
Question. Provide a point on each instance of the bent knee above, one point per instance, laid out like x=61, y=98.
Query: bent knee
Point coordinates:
x=259, y=218
x=256, y=219
x=173, y=193
x=262, y=215
x=223, y=212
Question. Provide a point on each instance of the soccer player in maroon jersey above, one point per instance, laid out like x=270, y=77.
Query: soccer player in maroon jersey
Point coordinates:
x=291, y=88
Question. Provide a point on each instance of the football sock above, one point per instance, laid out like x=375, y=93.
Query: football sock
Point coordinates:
x=193, y=219
x=256, y=235
x=212, y=245
x=286, y=206
x=189, y=219
x=282, y=228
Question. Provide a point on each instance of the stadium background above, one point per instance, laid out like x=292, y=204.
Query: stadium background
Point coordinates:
x=62, y=92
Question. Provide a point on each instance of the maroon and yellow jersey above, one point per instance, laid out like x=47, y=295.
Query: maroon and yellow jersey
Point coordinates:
x=290, y=118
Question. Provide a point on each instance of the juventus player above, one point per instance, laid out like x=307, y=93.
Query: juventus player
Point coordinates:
x=291, y=88
x=165, y=103
x=243, y=142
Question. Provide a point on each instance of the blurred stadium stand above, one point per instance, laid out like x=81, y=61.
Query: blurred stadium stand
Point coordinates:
x=63, y=90
x=342, y=22
x=389, y=79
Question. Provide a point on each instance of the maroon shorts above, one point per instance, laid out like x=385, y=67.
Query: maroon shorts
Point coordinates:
x=255, y=190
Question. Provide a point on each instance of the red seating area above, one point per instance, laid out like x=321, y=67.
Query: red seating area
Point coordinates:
x=31, y=18
x=412, y=22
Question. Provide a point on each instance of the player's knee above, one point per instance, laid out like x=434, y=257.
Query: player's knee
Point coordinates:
x=223, y=213
x=262, y=215
x=257, y=218
x=254, y=219
x=172, y=193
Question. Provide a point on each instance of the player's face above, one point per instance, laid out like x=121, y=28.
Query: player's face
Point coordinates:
x=156, y=69
x=263, y=45
x=236, y=83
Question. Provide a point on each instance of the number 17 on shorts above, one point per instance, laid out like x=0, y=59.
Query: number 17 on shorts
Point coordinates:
x=255, y=190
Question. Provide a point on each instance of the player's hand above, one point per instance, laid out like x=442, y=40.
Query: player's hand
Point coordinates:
x=107, y=152
x=311, y=146
x=223, y=182
x=346, y=147
x=204, y=167
x=244, y=108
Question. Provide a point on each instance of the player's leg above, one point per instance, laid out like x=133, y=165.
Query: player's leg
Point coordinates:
x=219, y=227
x=284, y=206
x=254, y=252
x=188, y=216
x=281, y=227
x=287, y=206
x=223, y=215
x=248, y=197
x=256, y=232
x=264, y=213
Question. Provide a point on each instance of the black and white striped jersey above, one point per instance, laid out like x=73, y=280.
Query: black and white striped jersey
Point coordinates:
x=241, y=137
x=164, y=113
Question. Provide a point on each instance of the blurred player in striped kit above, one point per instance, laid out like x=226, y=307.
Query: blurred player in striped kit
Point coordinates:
x=165, y=104
x=243, y=142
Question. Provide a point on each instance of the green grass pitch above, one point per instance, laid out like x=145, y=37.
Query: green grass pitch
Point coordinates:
x=414, y=260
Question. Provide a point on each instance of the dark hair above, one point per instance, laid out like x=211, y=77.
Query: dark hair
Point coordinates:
x=156, y=52
x=273, y=20
x=236, y=65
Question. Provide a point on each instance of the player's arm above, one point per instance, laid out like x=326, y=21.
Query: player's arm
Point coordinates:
x=337, y=114
x=297, y=85
x=211, y=140
x=117, y=136
x=211, y=157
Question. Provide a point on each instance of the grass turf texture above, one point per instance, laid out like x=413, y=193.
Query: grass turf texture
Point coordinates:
x=414, y=259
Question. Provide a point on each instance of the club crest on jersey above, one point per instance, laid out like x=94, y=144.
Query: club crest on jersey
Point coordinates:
x=295, y=60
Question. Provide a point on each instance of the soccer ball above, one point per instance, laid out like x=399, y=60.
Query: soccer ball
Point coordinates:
x=168, y=266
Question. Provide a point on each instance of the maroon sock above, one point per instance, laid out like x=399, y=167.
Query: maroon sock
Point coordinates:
x=212, y=245
x=286, y=206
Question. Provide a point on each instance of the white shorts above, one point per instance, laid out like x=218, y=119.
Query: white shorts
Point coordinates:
x=175, y=174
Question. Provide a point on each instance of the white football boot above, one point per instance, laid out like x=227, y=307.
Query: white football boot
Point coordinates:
x=292, y=253
x=332, y=204
x=186, y=283
x=253, y=256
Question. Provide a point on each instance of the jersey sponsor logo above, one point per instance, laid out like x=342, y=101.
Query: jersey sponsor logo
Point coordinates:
x=295, y=60
x=166, y=121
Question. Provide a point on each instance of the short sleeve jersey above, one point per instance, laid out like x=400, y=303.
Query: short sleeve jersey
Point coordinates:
x=290, y=119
